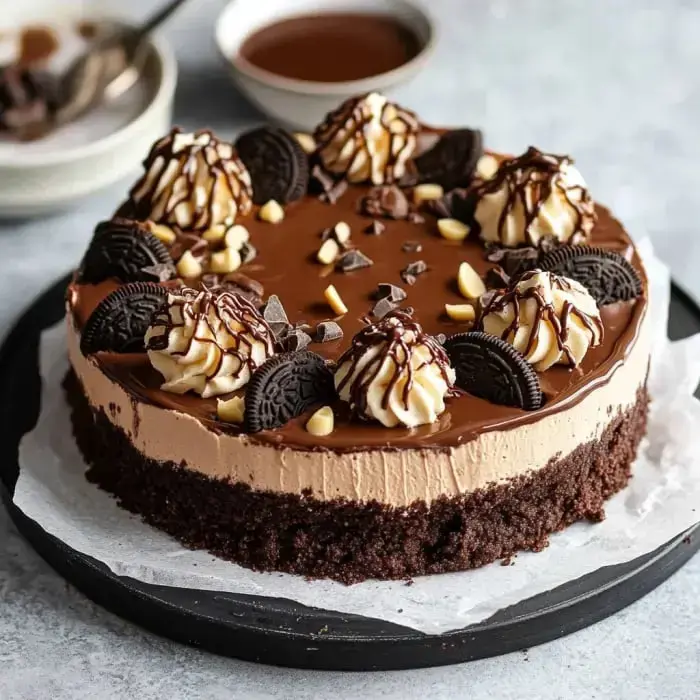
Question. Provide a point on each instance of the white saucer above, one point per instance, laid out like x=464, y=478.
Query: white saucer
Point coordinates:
x=96, y=151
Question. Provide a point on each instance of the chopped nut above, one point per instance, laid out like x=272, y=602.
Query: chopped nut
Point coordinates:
x=452, y=229
x=321, y=422
x=214, y=234
x=236, y=236
x=271, y=212
x=334, y=300
x=225, y=261
x=231, y=411
x=471, y=286
x=163, y=233
x=328, y=251
x=188, y=266
x=306, y=141
x=460, y=312
x=427, y=192
x=486, y=167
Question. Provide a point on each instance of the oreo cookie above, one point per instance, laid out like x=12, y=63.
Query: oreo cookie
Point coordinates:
x=121, y=319
x=284, y=387
x=492, y=369
x=606, y=275
x=278, y=166
x=451, y=162
x=120, y=249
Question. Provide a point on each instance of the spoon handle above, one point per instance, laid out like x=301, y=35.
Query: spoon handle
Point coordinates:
x=159, y=17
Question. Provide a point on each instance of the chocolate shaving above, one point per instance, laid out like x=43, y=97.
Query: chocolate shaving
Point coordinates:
x=353, y=260
x=412, y=247
x=376, y=228
x=327, y=331
x=160, y=272
x=390, y=291
x=388, y=201
x=412, y=270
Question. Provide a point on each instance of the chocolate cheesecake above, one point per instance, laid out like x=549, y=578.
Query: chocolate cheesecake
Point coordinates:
x=374, y=351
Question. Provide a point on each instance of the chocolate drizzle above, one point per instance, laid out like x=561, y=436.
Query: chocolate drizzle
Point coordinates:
x=156, y=188
x=396, y=336
x=239, y=318
x=530, y=180
x=545, y=311
x=353, y=117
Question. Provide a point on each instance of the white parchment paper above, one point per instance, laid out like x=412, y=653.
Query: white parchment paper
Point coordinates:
x=662, y=501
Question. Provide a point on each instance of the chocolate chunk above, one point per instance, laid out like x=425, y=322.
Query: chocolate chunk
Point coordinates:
x=441, y=338
x=236, y=283
x=273, y=311
x=160, y=272
x=456, y=204
x=388, y=201
x=452, y=160
x=327, y=331
x=412, y=270
x=294, y=340
x=119, y=250
x=376, y=228
x=248, y=253
x=496, y=278
x=492, y=369
x=412, y=247
x=278, y=166
x=320, y=181
x=189, y=242
x=415, y=218
x=121, y=319
x=334, y=193
x=383, y=307
x=607, y=275
x=353, y=260
x=284, y=387
x=514, y=261
x=390, y=292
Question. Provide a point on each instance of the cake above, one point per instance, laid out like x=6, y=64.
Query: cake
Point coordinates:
x=373, y=351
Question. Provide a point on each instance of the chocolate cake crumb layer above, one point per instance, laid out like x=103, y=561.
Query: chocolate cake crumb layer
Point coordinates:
x=352, y=541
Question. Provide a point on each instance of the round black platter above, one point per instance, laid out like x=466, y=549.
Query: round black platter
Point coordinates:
x=277, y=631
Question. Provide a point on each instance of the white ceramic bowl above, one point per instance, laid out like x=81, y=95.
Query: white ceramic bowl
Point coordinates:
x=302, y=104
x=98, y=150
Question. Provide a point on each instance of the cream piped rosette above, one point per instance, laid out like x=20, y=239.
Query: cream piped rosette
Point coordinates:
x=532, y=197
x=207, y=343
x=395, y=374
x=192, y=181
x=367, y=139
x=550, y=319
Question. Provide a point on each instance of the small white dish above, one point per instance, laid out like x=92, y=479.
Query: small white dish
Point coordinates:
x=99, y=149
x=302, y=104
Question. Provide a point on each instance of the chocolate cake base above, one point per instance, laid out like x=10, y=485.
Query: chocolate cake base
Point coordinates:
x=350, y=541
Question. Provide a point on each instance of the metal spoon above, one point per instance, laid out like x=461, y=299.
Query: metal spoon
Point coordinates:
x=108, y=68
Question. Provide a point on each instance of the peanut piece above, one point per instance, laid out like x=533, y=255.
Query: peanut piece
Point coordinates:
x=163, y=233
x=452, y=229
x=486, y=167
x=460, y=312
x=231, y=411
x=188, y=266
x=328, y=252
x=427, y=192
x=236, y=236
x=334, y=300
x=225, y=261
x=471, y=286
x=214, y=234
x=342, y=232
x=306, y=141
x=271, y=212
x=321, y=422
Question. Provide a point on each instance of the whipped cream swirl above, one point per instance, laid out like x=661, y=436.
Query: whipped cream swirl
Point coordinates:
x=209, y=343
x=395, y=373
x=532, y=197
x=548, y=318
x=192, y=181
x=367, y=139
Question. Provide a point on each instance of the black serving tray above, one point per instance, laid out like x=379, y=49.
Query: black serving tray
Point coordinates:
x=278, y=631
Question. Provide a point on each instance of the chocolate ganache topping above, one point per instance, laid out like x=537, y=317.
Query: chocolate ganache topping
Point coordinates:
x=531, y=198
x=367, y=139
x=209, y=343
x=395, y=373
x=192, y=181
x=548, y=318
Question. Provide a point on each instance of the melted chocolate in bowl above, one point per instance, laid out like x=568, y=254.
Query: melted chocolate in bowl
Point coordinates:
x=332, y=48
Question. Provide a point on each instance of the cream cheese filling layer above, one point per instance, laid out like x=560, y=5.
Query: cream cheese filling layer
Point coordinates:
x=396, y=477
